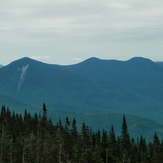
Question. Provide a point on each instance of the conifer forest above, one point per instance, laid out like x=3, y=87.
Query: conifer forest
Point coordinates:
x=35, y=139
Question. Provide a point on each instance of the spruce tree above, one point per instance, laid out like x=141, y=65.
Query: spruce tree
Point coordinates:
x=125, y=141
x=157, y=152
x=113, y=148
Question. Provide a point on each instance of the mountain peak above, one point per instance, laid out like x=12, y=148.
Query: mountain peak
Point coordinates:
x=23, y=61
x=25, y=58
x=92, y=59
x=139, y=59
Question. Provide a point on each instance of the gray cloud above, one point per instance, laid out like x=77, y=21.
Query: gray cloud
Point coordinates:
x=72, y=29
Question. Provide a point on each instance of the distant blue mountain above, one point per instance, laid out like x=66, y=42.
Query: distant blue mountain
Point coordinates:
x=160, y=63
x=134, y=86
x=126, y=72
x=93, y=86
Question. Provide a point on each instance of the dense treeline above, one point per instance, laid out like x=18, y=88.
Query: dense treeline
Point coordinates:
x=34, y=139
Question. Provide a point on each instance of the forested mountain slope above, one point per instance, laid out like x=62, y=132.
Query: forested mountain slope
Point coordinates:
x=93, y=86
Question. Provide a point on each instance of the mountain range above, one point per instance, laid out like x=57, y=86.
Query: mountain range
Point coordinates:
x=93, y=87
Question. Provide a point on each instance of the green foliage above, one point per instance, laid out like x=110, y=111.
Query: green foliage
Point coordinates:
x=35, y=139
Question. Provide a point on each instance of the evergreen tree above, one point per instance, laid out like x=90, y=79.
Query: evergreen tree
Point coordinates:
x=44, y=113
x=125, y=141
x=85, y=137
x=157, y=152
x=113, y=148
x=34, y=139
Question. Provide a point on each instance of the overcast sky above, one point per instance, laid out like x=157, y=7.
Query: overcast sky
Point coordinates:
x=69, y=31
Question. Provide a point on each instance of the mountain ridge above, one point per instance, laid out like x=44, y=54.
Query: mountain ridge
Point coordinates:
x=95, y=74
x=95, y=85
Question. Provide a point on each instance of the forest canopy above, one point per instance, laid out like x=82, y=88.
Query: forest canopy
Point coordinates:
x=35, y=139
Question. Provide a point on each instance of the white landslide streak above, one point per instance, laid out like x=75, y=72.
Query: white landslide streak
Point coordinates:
x=22, y=76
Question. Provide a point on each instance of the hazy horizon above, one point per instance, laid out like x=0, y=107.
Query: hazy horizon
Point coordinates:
x=44, y=61
x=67, y=32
